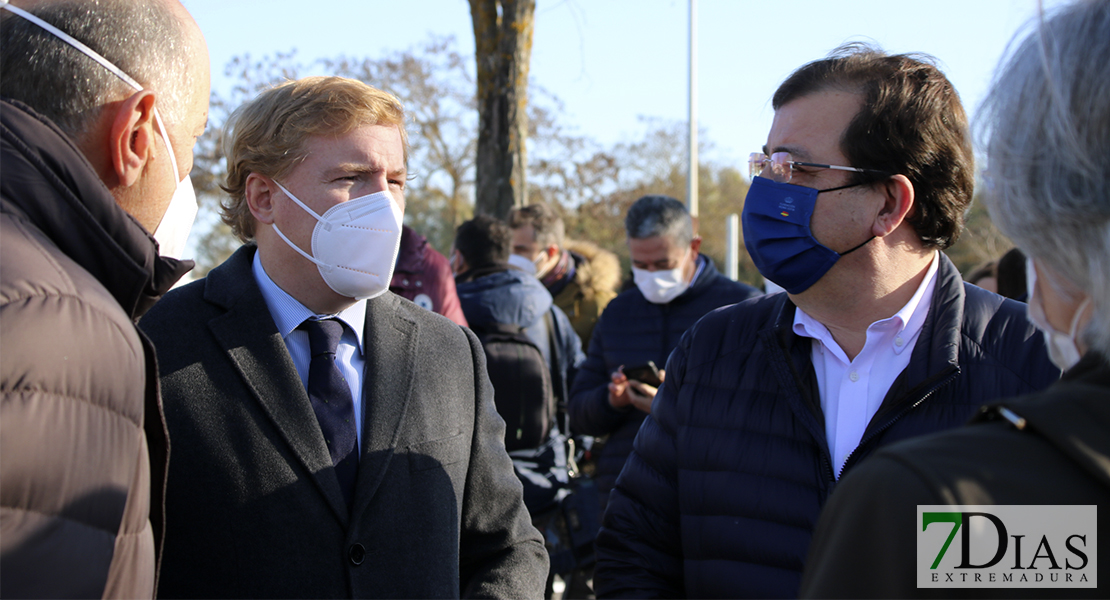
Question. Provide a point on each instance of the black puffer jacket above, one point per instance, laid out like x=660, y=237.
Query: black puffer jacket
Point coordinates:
x=78, y=382
x=720, y=496
x=631, y=332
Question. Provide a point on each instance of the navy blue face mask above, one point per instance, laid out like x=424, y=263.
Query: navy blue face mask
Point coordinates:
x=778, y=238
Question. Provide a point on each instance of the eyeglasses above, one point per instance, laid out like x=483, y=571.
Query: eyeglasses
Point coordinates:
x=780, y=166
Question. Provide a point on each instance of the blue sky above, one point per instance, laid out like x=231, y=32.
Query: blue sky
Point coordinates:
x=611, y=61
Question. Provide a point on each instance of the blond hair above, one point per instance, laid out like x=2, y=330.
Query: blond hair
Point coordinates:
x=267, y=135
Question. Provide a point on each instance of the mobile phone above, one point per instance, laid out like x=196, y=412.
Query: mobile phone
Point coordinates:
x=646, y=373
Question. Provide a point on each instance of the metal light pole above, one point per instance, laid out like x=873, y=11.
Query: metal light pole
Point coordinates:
x=732, y=247
x=692, y=168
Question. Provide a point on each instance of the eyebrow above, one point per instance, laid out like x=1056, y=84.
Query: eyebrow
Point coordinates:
x=360, y=168
x=349, y=168
x=794, y=151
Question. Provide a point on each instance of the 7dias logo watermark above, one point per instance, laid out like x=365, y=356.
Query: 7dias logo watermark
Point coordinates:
x=1007, y=546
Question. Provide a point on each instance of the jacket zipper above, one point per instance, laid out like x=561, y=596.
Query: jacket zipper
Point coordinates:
x=666, y=332
x=890, y=422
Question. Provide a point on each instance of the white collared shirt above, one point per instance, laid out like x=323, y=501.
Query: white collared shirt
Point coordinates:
x=852, y=390
x=288, y=314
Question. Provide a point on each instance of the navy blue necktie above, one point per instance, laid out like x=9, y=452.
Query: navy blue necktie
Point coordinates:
x=332, y=401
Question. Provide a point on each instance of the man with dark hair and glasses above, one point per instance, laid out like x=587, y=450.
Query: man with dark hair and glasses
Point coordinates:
x=865, y=177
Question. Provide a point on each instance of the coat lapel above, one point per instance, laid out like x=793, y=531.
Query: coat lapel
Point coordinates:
x=390, y=343
x=247, y=334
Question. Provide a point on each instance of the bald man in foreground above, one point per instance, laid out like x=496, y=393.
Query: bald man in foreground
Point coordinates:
x=102, y=104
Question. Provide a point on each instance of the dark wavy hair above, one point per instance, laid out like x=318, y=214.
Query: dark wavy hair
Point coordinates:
x=484, y=241
x=911, y=123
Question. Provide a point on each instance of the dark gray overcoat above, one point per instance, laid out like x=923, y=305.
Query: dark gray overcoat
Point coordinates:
x=253, y=507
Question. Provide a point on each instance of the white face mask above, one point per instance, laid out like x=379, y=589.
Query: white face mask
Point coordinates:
x=1062, y=350
x=354, y=243
x=660, y=287
x=522, y=263
x=173, y=230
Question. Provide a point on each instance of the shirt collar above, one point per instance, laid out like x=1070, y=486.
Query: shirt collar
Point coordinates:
x=288, y=313
x=912, y=316
x=907, y=321
x=701, y=260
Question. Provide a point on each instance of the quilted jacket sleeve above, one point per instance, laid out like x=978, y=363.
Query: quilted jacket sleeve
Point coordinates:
x=638, y=548
x=589, y=408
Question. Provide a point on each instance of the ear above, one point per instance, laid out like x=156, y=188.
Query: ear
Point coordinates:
x=259, y=193
x=898, y=203
x=551, y=251
x=458, y=263
x=131, y=138
x=695, y=245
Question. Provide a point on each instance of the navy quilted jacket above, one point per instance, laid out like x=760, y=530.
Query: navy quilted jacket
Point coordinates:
x=630, y=332
x=721, y=493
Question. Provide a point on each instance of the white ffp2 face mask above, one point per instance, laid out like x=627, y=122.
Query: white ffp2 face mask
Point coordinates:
x=660, y=287
x=522, y=263
x=354, y=243
x=173, y=230
x=1062, y=349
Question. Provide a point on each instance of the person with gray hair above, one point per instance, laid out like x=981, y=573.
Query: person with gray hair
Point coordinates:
x=659, y=215
x=102, y=105
x=1046, y=128
x=675, y=286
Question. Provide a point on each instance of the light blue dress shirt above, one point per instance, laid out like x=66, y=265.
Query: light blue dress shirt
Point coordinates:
x=288, y=314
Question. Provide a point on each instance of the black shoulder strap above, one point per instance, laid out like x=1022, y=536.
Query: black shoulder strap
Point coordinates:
x=562, y=418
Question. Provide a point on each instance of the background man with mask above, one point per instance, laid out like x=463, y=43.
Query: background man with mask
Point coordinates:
x=581, y=277
x=675, y=286
x=331, y=439
x=1048, y=106
x=876, y=339
x=102, y=104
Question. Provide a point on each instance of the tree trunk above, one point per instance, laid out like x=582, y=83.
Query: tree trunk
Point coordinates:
x=503, y=40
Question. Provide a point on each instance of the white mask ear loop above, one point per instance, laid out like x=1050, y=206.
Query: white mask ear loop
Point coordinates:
x=1073, y=330
x=288, y=241
x=104, y=62
x=65, y=37
x=299, y=203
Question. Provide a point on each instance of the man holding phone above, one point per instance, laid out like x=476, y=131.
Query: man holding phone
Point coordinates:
x=675, y=286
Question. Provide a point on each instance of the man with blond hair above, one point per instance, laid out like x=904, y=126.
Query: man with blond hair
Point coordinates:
x=331, y=439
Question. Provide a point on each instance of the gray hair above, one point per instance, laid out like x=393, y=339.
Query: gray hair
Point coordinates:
x=659, y=215
x=146, y=40
x=1046, y=127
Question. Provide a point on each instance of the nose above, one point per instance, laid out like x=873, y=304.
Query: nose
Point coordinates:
x=370, y=184
x=378, y=182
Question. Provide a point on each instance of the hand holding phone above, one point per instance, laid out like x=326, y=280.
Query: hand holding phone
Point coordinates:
x=646, y=373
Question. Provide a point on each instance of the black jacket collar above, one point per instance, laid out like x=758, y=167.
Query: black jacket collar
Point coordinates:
x=48, y=183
